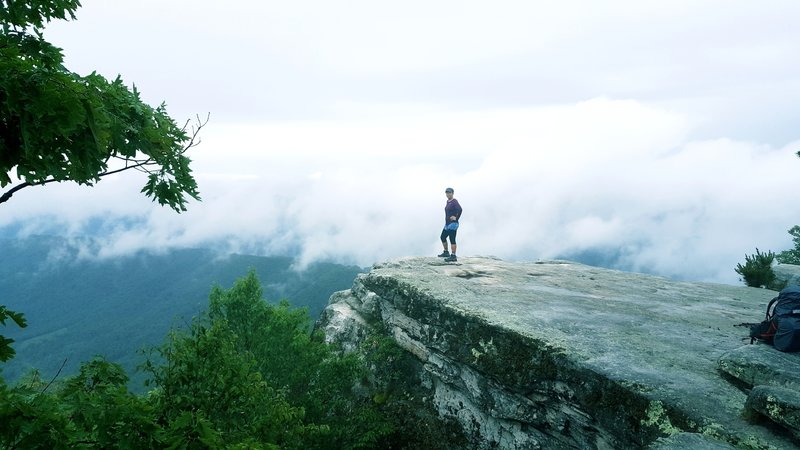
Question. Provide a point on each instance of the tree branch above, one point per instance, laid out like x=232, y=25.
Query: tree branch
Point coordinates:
x=7, y=195
x=56, y=376
x=194, y=141
x=195, y=131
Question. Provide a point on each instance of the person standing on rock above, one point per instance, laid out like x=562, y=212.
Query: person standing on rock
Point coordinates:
x=452, y=212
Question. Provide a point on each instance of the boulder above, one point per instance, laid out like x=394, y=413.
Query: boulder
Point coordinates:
x=778, y=404
x=772, y=380
x=560, y=355
x=788, y=273
x=760, y=364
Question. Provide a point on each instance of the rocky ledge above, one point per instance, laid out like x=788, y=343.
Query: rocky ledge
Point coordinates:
x=560, y=355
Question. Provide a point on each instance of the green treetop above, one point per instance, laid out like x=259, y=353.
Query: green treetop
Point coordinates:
x=56, y=125
x=791, y=256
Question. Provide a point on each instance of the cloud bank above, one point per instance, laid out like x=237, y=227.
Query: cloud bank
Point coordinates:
x=619, y=178
x=655, y=137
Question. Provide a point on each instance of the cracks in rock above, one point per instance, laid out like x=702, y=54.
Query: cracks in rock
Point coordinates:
x=468, y=274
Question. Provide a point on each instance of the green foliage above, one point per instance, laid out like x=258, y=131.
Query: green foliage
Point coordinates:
x=291, y=357
x=393, y=388
x=247, y=375
x=91, y=410
x=191, y=430
x=757, y=270
x=6, y=352
x=383, y=356
x=56, y=125
x=102, y=410
x=31, y=419
x=791, y=256
x=21, y=14
x=204, y=373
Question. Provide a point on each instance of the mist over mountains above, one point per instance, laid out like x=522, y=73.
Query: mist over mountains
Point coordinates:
x=535, y=183
x=79, y=305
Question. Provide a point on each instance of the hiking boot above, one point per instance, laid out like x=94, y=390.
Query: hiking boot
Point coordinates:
x=451, y=258
x=444, y=254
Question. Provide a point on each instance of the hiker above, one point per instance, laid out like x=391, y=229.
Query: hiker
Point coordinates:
x=452, y=212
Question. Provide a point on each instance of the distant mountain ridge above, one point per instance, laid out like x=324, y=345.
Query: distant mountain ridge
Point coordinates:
x=77, y=307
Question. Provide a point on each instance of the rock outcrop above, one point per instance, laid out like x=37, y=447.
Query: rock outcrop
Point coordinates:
x=788, y=273
x=559, y=355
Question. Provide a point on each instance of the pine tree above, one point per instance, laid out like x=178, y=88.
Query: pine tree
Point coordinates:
x=757, y=270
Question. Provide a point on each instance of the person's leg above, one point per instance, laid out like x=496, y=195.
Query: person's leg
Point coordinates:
x=443, y=237
x=452, y=256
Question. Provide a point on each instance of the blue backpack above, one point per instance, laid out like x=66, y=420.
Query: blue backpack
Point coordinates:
x=781, y=326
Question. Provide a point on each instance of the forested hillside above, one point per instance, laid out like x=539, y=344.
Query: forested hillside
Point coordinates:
x=78, y=307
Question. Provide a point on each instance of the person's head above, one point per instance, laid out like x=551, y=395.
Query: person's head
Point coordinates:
x=449, y=193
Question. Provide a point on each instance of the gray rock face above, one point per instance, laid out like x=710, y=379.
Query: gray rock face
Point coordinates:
x=780, y=405
x=693, y=441
x=757, y=365
x=772, y=380
x=789, y=273
x=558, y=355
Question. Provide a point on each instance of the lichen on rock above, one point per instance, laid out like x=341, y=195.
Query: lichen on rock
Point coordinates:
x=559, y=355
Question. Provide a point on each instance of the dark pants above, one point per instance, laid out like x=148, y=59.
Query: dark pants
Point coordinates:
x=448, y=234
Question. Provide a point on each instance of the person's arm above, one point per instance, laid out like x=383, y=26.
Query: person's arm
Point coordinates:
x=456, y=210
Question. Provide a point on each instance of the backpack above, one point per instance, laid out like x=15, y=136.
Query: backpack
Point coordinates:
x=781, y=326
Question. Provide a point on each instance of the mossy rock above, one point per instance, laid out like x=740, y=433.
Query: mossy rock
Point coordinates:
x=778, y=404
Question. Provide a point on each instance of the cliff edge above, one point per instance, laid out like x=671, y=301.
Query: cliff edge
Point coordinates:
x=560, y=355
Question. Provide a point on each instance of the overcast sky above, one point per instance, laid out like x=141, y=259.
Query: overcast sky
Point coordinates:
x=663, y=133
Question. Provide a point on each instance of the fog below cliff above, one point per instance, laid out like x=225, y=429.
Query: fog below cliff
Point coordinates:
x=612, y=183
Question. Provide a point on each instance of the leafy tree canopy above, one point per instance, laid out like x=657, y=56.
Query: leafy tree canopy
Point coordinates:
x=791, y=256
x=56, y=125
x=247, y=375
x=294, y=359
x=6, y=352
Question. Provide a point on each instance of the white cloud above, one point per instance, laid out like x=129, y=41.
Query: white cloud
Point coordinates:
x=255, y=60
x=618, y=176
x=660, y=132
